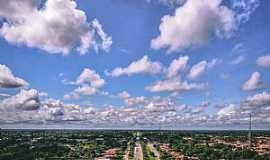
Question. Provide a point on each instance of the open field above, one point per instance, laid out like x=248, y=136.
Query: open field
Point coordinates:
x=129, y=145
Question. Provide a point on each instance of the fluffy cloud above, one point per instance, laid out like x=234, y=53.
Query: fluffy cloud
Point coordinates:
x=88, y=83
x=57, y=27
x=200, y=68
x=143, y=65
x=24, y=100
x=207, y=17
x=124, y=95
x=177, y=65
x=227, y=111
x=132, y=101
x=174, y=85
x=144, y=112
x=8, y=80
x=258, y=100
x=264, y=61
x=86, y=90
x=253, y=83
x=257, y=105
x=90, y=76
x=201, y=108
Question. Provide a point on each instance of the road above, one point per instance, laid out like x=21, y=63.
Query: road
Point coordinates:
x=138, y=153
x=154, y=150
x=127, y=152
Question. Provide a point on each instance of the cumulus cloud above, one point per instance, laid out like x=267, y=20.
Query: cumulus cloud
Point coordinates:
x=90, y=76
x=257, y=100
x=143, y=65
x=57, y=27
x=144, y=112
x=257, y=105
x=174, y=85
x=132, y=101
x=264, y=61
x=124, y=94
x=88, y=83
x=177, y=65
x=200, y=108
x=200, y=68
x=24, y=100
x=227, y=111
x=207, y=18
x=253, y=83
x=8, y=80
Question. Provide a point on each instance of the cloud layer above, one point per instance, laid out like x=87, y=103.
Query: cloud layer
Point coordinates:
x=142, y=112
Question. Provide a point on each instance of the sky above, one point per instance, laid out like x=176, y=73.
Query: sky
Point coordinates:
x=181, y=64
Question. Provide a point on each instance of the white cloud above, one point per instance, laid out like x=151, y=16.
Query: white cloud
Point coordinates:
x=140, y=112
x=88, y=83
x=71, y=95
x=57, y=27
x=106, y=41
x=253, y=83
x=143, y=65
x=258, y=100
x=90, y=76
x=86, y=90
x=213, y=63
x=8, y=80
x=124, y=95
x=200, y=108
x=237, y=60
x=24, y=100
x=244, y=8
x=200, y=68
x=4, y=95
x=227, y=111
x=264, y=61
x=207, y=18
x=177, y=65
x=197, y=70
x=174, y=85
x=132, y=101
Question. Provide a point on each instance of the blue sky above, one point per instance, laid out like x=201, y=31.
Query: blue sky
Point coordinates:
x=40, y=46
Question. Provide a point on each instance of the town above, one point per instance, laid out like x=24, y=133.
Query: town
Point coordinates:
x=133, y=145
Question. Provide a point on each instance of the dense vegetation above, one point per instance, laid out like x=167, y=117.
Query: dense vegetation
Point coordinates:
x=60, y=145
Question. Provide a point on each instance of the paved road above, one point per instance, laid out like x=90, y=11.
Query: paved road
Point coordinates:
x=138, y=153
x=154, y=150
x=127, y=153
